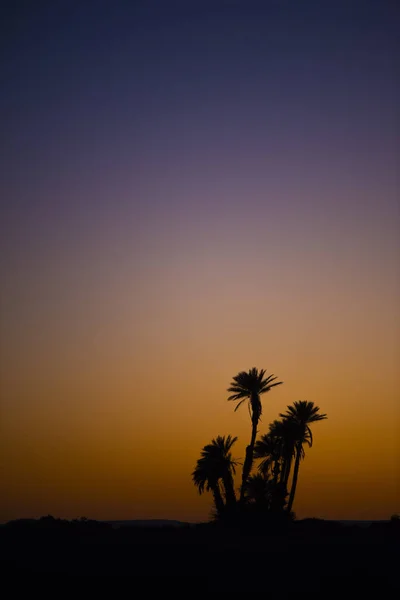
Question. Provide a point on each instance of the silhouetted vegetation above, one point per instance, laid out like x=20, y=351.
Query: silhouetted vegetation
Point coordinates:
x=300, y=416
x=250, y=386
x=266, y=491
x=215, y=470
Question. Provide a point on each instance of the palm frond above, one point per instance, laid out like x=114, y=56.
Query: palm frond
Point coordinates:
x=250, y=385
x=240, y=403
x=215, y=463
x=300, y=415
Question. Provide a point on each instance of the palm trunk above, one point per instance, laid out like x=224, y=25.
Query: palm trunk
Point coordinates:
x=288, y=467
x=229, y=490
x=248, y=462
x=295, y=477
x=218, y=501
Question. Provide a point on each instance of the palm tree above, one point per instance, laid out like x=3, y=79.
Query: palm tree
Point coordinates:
x=204, y=478
x=300, y=416
x=216, y=466
x=285, y=434
x=220, y=452
x=249, y=386
x=276, y=449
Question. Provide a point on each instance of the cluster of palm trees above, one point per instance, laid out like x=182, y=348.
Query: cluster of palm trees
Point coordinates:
x=277, y=451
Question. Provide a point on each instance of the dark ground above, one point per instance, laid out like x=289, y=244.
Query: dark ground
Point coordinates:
x=303, y=559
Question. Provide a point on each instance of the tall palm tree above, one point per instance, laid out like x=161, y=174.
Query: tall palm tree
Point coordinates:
x=285, y=434
x=301, y=415
x=249, y=385
x=216, y=466
x=276, y=449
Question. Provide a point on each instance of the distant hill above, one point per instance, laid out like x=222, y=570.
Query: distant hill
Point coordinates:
x=148, y=523
x=362, y=523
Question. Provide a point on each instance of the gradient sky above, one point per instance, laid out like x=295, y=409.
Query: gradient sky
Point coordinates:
x=190, y=189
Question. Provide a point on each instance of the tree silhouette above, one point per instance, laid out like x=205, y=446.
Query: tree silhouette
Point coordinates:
x=249, y=386
x=285, y=433
x=299, y=417
x=215, y=470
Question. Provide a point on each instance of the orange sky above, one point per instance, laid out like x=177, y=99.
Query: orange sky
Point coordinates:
x=109, y=422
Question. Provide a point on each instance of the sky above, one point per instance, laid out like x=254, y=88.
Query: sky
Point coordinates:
x=188, y=190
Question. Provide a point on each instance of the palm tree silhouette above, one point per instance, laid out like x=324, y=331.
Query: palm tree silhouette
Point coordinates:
x=215, y=467
x=299, y=417
x=285, y=433
x=249, y=386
